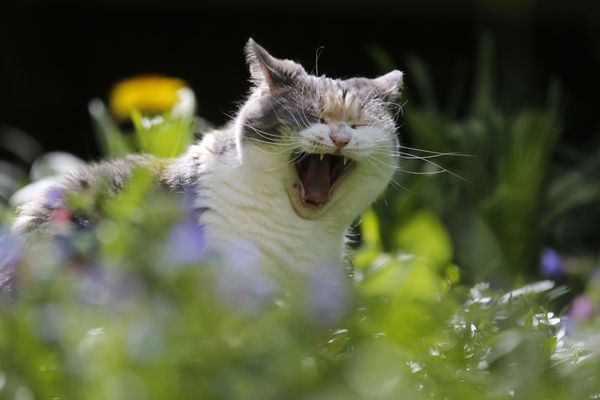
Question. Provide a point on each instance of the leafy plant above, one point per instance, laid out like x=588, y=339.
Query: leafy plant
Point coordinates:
x=488, y=172
x=133, y=308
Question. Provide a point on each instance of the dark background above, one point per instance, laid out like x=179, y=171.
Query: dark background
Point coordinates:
x=56, y=56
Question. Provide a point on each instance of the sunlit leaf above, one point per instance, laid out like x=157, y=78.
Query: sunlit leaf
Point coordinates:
x=424, y=236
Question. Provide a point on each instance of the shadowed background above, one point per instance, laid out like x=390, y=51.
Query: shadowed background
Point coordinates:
x=56, y=56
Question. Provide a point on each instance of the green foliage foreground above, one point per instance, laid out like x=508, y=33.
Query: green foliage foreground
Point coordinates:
x=135, y=309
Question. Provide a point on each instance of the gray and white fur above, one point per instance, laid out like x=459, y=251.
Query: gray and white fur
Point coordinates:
x=248, y=178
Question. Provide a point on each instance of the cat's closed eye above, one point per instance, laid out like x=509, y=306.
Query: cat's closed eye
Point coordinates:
x=321, y=120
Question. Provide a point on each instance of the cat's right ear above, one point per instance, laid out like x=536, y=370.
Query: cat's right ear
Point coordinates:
x=277, y=74
x=390, y=85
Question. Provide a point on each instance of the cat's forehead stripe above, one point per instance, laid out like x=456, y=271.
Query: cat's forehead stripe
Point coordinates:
x=338, y=103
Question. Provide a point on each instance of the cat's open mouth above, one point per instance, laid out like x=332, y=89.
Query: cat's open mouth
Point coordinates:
x=318, y=175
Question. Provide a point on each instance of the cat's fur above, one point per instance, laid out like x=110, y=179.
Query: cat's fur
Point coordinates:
x=243, y=177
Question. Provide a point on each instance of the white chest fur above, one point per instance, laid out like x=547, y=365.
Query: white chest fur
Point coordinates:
x=246, y=202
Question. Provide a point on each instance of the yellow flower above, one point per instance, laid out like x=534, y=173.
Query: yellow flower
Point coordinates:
x=146, y=94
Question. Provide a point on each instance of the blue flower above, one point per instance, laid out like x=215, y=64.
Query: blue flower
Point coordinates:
x=108, y=285
x=11, y=248
x=64, y=248
x=188, y=202
x=241, y=282
x=54, y=196
x=75, y=246
x=582, y=309
x=185, y=244
x=327, y=297
x=552, y=265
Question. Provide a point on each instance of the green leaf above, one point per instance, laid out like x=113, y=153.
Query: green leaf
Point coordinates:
x=425, y=236
x=168, y=137
x=369, y=229
x=112, y=141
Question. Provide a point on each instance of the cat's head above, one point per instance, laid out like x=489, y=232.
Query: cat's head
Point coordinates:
x=337, y=138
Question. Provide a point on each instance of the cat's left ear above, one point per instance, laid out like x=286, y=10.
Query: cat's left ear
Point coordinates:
x=277, y=73
x=390, y=85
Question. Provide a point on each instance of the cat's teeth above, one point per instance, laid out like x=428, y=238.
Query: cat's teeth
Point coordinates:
x=321, y=156
x=345, y=160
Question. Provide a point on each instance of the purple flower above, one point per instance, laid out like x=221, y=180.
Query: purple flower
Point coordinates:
x=185, y=244
x=94, y=286
x=327, y=297
x=11, y=248
x=64, y=248
x=582, y=309
x=552, y=264
x=75, y=246
x=241, y=282
x=54, y=196
x=188, y=202
x=106, y=284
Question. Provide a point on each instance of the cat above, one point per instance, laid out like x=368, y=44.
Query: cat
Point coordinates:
x=303, y=157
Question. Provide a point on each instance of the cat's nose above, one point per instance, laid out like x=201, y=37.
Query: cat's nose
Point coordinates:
x=339, y=135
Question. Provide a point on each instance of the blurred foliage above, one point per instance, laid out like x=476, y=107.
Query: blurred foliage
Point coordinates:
x=130, y=310
x=151, y=134
x=133, y=307
x=491, y=180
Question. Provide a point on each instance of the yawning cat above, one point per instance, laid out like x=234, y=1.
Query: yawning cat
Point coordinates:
x=303, y=157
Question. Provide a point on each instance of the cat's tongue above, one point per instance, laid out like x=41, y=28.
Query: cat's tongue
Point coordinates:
x=316, y=180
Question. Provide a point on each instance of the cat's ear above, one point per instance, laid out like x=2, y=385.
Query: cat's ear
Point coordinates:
x=275, y=72
x=390, y=85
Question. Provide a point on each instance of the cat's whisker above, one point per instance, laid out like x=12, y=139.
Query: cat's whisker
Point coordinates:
x=439, y=170
x=302, y=126
x=275, y=149
x=368, y=98
x=267, y=136
x=392, y=179
x=435, y=153
x=263, y=150
x=430, y=151
x=299, y=157
x=305, y=117
x=323, y=111
x=399, y=107
x=393, y=182
x=276, y=139
x=286, y=109
x=444, y=169
x=317, y=55
x=282, y=122
x=272, y=142
x=410, y=156
x=398, y=168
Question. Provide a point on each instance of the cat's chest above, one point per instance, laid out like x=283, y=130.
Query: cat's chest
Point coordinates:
x=242, y=207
